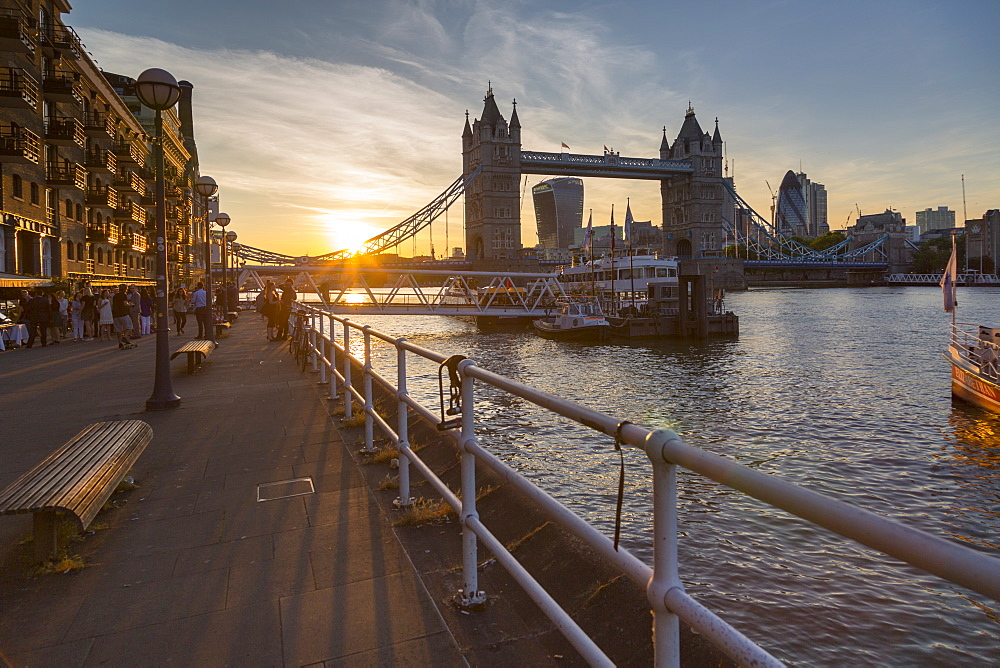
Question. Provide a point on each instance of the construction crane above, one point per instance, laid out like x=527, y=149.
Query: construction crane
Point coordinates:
x=774, y=199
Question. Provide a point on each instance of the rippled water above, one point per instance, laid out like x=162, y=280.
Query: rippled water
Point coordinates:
x=843, y=391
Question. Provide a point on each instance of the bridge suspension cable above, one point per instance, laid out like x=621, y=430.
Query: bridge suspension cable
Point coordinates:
x=408, y=229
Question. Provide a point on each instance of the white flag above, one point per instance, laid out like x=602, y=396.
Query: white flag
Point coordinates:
x=590, y=232
x=949, y=279
x=628, y=224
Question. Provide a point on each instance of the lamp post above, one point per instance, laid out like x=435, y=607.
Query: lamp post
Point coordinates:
x=206, y=187
x=222, y=220
x=231, y=239
x=158, y=90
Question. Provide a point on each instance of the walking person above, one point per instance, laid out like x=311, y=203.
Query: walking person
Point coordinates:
x=134, y=309
x=180, y=306
x=272, y=304
x=57, y=324
x=37, y=315
x=285, y=311
x=121, y=312
x=76, y=316
x=202, y=311
x=89, y=314
x=105, y=318
x=145, y=312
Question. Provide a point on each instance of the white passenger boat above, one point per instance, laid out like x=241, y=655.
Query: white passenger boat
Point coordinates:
x=623, y=277
x=974, y=353
x=576, y=321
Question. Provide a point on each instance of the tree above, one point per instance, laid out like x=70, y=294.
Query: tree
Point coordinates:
x=827, y=240
x=932, y=256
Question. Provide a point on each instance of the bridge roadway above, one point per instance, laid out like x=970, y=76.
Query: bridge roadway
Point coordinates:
x=193, y=570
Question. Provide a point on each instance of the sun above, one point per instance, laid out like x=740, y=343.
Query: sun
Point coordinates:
x=347, y=229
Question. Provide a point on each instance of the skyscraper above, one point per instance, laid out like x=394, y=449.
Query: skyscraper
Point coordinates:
x=790, y=215
x=941, y=219
x=558, y=211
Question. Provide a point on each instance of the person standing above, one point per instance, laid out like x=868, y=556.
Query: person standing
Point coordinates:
x=145, y=312
x=272, y=304
x=134, y=310
x=285, y=312
x=202, y=311
x=38, y=316
x=121, y=312
x=88, y=314
x=180, y=306
x=106, y=319
x=76, y=315
x=56, y=323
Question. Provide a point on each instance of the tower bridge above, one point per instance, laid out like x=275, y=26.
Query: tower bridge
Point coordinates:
x=702, y=215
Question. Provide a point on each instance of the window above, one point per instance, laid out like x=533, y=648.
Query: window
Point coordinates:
x=35, y=197
x=79, y=252
x=69, y=250
x=69, y=209
x=100, y=256
x=17, y=189
x=79, y=213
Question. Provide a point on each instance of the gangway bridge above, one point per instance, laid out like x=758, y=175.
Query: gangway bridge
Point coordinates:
x=394, y=291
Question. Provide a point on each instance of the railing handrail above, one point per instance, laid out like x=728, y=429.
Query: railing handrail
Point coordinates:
x=945, y=559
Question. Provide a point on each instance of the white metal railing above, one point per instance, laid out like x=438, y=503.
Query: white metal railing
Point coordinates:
x=666, y=451
x=976, y=345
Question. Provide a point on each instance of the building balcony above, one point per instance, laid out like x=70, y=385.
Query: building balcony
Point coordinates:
x=173, y=192
x=18, y=89
x=100, y=125
x=65, y=131
x=59, y=40
x=114, y=232
x=50, y=215
x=60, y=87
x=130, y=153
x=101, y=160
x=19, y=145
x=16, y=35
x=102, y=196
x=139, y=242
x=130, y=211
x=129, y=182
x=65, y=175
x=90, y=266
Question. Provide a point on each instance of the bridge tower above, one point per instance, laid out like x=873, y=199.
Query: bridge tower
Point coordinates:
x=693, y=204
x=492, y=203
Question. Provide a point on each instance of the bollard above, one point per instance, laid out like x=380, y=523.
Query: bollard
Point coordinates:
x=312, y=343
x=470, y=596
x=348, y=412
x=666, y=626
x=369, y=404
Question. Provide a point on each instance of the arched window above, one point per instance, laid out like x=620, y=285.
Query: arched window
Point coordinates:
x=69, y=209
x=35, y=197
x=79, y=252
x=100, y=255
x=46, y=257
x=17, y=189
x=79, y=212
x=70, y=247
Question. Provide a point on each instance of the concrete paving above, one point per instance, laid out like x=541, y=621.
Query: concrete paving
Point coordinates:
x=192, y=569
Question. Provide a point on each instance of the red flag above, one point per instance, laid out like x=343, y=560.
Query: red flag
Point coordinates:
x=565, y=146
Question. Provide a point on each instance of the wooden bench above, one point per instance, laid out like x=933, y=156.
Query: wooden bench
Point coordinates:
x=221, y=326
x=76, y=480
x=197, y=351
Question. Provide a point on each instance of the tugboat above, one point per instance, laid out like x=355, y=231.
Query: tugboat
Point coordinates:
x=576, y=321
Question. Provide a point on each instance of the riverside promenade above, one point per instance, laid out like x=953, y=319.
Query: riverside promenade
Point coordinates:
x=192, y=569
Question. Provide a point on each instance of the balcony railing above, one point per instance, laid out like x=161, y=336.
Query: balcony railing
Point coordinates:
x=19, y=145
x=16, y=34
x=66, y=175
x=127, y=181
x=90, y=266
x=61, y=87
x=101, y=160
x=100, y=124
x=102, y=196
x=114, y=233
x=18, y=89
x=50, y=215
x=65, y=131
x=61, y=40
x=129, y=152
x=130, y=211
x=138, y=242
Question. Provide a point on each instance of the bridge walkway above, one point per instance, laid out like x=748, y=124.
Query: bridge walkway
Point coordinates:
x=193, y=569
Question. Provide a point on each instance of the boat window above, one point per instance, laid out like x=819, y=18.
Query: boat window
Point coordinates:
x=662, y=272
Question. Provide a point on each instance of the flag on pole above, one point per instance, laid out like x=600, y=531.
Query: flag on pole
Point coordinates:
x=565, y=146
x=590, y=232
x=628, y=225
x=949, y=279
x=606, y=149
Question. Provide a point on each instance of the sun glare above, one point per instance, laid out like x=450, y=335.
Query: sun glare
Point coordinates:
x=347, y=229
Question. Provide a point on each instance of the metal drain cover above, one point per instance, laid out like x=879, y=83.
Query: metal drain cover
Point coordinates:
x=283, y=489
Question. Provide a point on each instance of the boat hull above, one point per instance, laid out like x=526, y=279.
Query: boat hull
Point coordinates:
x=591, y=334
x=974, y=389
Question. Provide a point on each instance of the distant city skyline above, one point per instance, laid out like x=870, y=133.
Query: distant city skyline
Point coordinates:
x=325, y=123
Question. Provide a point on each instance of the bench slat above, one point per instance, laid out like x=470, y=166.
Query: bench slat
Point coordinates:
x=81, y=475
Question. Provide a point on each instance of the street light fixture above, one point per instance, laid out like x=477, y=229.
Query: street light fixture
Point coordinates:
x=231, y=239
x=158, y=90
x=222, y=220
x=206, y=187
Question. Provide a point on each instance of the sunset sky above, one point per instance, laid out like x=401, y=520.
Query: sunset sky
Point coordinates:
x=326, y=122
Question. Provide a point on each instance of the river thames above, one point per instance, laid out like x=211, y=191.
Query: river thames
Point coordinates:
x=843, y=391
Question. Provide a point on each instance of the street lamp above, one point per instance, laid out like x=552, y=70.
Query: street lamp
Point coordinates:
x=222, y=220
x=230, y=238
x=158, y=90
x=206, y=187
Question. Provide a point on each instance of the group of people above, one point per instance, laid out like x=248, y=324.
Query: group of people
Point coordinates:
x=276, y=308
x=126, y=311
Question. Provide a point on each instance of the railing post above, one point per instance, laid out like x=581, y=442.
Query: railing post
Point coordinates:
x=470, y=594
x=322, y=350
x=312, y=342
x=666, y=626
x=333, y=359
x=402, y=428
x=348, y=412
x=369, y=404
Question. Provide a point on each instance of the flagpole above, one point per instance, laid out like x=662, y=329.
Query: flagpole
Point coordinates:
x=614, y=300
x=590, y=243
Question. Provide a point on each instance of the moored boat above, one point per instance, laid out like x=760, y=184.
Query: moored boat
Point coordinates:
x=974, y=353
x=576, y=321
